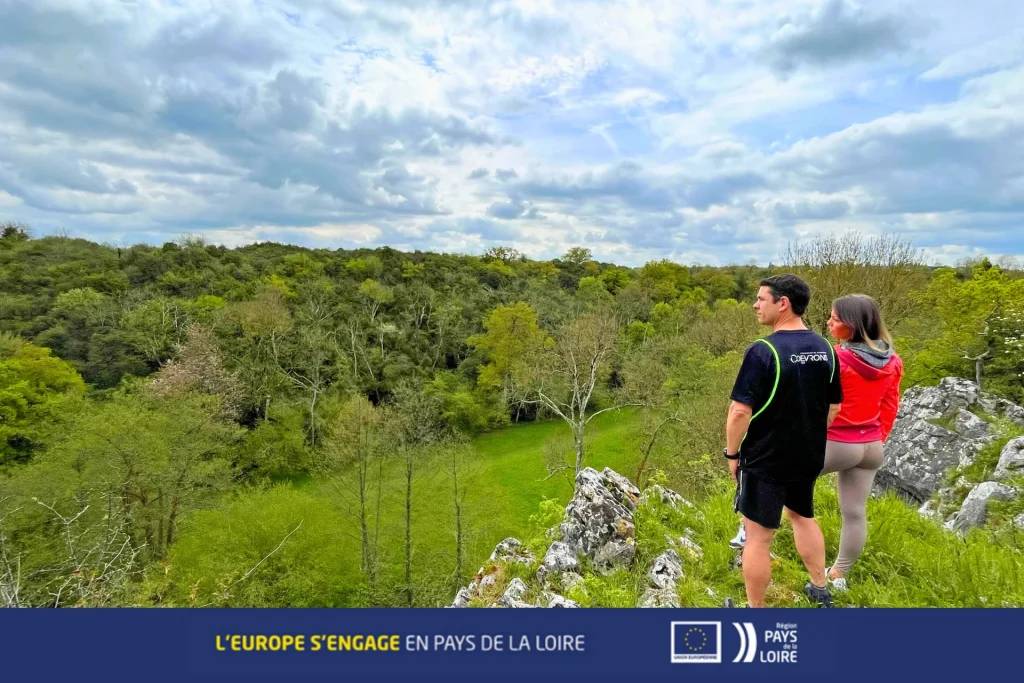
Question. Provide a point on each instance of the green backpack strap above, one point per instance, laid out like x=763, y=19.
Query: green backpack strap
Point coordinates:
x=835, y=362
x=778, y=375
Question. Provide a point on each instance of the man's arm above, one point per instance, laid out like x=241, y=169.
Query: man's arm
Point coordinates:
x=735, y=428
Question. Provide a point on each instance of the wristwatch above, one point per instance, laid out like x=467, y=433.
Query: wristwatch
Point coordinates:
x=728, y=456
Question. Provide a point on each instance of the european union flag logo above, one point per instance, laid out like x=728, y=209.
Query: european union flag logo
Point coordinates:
x=696, y=642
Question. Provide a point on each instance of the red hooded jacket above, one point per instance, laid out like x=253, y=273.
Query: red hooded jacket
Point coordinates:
x=871, y=398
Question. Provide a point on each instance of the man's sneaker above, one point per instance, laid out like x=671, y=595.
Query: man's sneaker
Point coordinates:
x=728, y=603
x=822, y=597
x=740, y=539
x=838, y=585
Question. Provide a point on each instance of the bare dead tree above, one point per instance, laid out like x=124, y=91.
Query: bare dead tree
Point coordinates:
x=99, y=559
x=312, y=372
x=885, y=267
x=979, y=359
x=654, y=427
x=564, y=378
x=354, y=457
x=413, y=421
x=457, y=455
x=10, y=566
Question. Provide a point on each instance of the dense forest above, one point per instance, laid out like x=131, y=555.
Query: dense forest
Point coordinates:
x=272, y=425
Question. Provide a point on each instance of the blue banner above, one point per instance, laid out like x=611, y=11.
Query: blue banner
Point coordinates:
x=503, y=644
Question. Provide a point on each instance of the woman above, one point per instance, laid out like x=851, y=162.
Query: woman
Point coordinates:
x=870, y=372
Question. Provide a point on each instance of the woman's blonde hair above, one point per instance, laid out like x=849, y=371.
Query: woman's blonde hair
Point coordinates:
x=861, y=314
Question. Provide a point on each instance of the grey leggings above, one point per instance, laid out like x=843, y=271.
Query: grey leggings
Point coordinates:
x=857, y=464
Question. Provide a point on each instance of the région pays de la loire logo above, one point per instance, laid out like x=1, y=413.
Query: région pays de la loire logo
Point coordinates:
x=700, y=642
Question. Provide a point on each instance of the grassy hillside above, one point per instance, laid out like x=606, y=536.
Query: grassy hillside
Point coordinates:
x=504, y=479
x=909, y=561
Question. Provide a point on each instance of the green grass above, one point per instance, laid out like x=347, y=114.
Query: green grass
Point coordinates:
x=908, y=561
x=509, y=466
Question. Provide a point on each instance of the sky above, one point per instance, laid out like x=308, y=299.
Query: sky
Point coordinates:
x=702, y=131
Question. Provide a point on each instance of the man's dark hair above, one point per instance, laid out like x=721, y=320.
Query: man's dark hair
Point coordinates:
x=791, y=287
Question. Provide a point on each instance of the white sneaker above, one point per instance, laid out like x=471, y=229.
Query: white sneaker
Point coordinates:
x=740, y=539
x=836, y=584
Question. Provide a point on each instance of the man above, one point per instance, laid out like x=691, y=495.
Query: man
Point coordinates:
x=786, y=395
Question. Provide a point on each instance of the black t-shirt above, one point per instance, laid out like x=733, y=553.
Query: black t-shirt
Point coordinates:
x=786, y=437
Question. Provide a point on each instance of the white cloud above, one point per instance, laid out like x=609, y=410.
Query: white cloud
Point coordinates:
x=994, y=54
x=713, y=129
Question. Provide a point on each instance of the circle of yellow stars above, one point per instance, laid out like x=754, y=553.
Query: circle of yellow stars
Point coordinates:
x=703, y=639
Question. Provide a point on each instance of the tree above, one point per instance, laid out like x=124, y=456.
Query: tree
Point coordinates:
x=886, y=268
x=95, y=563
x=512, y=341
x=365, y=267
x=592, y=293
x=35, y=388
x=967, y=324
x=448, y=328
x=464, y=410
x=457, y=454
x=632, y=302
x=415, y=425
x=577, y=263
x=355, y=457
x=665, y=280
x=718, y=284
x=506, y=255
x=153, y=328
x=312, y=370
x=685, y=392
x=374, y=295
x=197, y=368
x=11, y=232
x=264, y=323
x=726, y=326
x=577, y=257
x=316, y=362
x=615, y=279
x=155, y=459
x=563, y=378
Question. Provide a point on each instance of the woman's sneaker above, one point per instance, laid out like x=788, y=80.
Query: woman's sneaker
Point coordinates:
x=821, y=596
x=740, y=539
x=838, y=585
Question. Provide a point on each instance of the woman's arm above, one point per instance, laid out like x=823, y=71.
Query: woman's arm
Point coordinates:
x=891, y=403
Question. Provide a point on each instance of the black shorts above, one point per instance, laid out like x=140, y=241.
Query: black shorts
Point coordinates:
x=762, y=501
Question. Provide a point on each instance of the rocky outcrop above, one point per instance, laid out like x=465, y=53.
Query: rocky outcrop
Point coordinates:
x=974, y=510
x=929, y=510
x=938, y=429
x=554, y=600
x=686, y=547
x=599, y=519
x=510, y=550
x=559, y=558
x=1011, y=459
x=599, y=530
x=665, y=572
x=659, y=597
x=666, y=496
x=514, y=594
